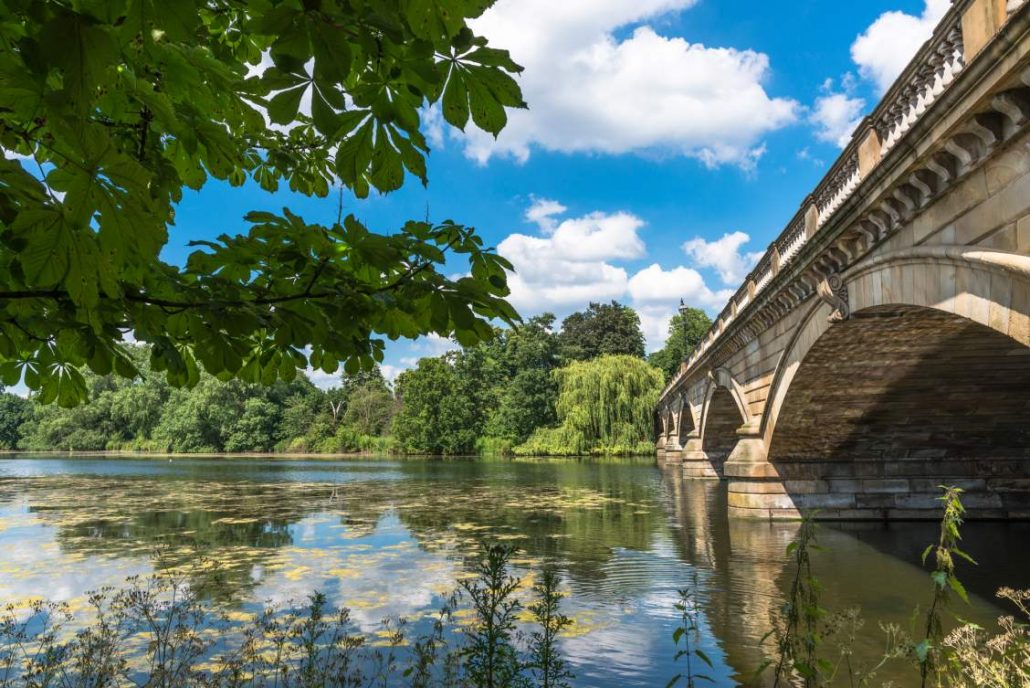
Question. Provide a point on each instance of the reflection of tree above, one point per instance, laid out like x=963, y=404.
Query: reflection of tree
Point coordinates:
x=575, y=511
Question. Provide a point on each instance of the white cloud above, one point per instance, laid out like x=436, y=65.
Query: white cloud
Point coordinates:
x=574, y=261
x=567, y=266
x=390, y=372
x=836, y=116
x=542, y=213
x=589, y=91
x=882, y=51
x=321, y=379
x=656, y=285
x=724, y=256
x=656, y=293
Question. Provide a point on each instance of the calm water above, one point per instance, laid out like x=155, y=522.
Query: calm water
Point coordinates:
x=387, y=538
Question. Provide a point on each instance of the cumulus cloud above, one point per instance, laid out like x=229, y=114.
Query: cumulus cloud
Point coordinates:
x=654, y=284
x=567, y=265
x=723, y=255
x=656, y=292
x=836, y=114
x=592, y=91
x=882, y=51
x=572, y=261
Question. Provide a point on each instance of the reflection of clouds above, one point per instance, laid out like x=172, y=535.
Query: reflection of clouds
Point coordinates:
x=381, y=574
x=33, y=564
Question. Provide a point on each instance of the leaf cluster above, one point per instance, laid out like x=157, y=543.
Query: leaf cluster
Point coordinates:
x=111, y=109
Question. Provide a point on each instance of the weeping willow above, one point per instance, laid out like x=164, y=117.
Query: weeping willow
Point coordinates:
x=605, y=406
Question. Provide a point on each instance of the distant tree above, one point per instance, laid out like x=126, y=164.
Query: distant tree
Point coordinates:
x=370, y=407
x=200, y=419
x=528, y=390
x=602, y=329
x=610, y=399
x=686, y=330
x=438, y=415
x=255, y=429
x=14, y=411
x=605, y=405
x=300, y=412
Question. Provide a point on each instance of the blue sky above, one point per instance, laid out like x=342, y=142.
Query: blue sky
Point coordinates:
x=666, y=144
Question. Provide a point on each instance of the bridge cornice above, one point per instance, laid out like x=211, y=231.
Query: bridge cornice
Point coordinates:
x=900, y=159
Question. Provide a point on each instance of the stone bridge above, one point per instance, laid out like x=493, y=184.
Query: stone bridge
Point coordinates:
x=881, y=347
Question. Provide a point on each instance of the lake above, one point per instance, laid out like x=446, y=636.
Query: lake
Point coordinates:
x=389, y=538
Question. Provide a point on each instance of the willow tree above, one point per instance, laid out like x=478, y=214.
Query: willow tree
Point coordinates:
x=111, y=109
x=605, y=406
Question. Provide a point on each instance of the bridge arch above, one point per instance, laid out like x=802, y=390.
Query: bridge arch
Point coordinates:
x=723, y=411
x=927, y=378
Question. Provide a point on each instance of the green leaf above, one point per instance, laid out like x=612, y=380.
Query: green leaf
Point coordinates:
x=956, y=585
x=282, y=108
x=45, y=259
x=487, y=111
x=456, y=99
x=332, y=53
x=87, y=52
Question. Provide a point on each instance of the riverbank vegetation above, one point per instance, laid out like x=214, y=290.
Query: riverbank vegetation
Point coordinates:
x=583, y=388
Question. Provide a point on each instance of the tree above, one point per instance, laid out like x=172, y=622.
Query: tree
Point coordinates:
x=602, y=329
x=110, y=109
x=528, y=390
x=255, y=429
x=686, y=330
x=13, y=412
x=437, y=416
x=369, y=409
x=605, y=406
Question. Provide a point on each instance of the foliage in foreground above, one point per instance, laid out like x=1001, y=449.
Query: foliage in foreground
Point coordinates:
x=158, y=632
x=110, y=110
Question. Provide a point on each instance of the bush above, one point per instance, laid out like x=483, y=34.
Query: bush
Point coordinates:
x=494, y=446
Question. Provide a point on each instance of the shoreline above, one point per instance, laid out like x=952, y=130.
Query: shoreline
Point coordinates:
x=286, y=456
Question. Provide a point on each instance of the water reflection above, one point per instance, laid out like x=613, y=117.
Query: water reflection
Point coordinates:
x=388, y=539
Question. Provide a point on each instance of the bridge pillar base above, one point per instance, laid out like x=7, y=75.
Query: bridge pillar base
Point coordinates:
x=755, y=489
x=697, y=465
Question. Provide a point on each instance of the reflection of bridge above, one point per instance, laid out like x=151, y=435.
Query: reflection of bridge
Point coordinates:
x=882, y=345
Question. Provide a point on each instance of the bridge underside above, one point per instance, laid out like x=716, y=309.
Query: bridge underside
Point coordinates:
x=893, y=403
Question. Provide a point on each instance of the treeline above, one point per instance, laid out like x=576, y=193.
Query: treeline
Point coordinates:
x=585, y=388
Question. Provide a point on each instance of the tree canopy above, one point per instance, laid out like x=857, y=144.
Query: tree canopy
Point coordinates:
x=109, y=109
x=603, y=328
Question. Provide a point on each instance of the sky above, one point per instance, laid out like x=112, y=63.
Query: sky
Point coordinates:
x=666, y=144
